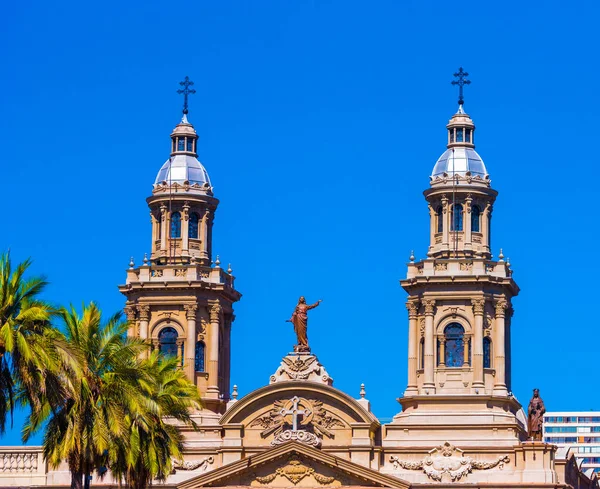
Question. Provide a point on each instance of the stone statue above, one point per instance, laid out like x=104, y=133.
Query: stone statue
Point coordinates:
x=535, y=416
x=300, y=321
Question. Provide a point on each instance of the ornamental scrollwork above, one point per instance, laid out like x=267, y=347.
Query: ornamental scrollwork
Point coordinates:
x=447, y=460
x=295, y=471
x=193, y=464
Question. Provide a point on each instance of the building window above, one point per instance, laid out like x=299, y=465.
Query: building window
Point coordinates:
x=180, y=144
x=451, y=135
x=422, y=354
x=475, y=218
x=455, y=345
x=167, y=341
x=199, y=356
x=487, y=352
x=440, y=219
x=457, y=217
x=194, y=219
x=468, y=136
x=190, y=143
x=459, y=135
x=175, y=225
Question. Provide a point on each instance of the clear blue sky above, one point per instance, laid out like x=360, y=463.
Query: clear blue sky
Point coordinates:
x=319, y=124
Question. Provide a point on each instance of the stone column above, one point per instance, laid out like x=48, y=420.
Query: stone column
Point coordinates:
x=144, y=320
x=432, y=226
x=204, y=256
x=442, y=352
x=180, y=351
x=130, y=313
x=155, y=232
x=429, y=346
x=446, y=218
x=467, y=222
x=485, y=228
x=466, y=360
x=163, y=227
x=185, y=229
x=213, y=352
x=478, y=307
x=499, y=349
x=190, y=346
x=413, y=309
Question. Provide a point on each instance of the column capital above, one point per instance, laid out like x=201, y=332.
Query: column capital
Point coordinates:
x=501, y=305
x=163, y=209
x=429, y=305
x=144, y=312
x=478, y=305
x=130, y=311
x=190, y=311
x=215, y=312
x=413, y=308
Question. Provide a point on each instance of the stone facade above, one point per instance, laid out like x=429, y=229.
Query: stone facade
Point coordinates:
x=459, y=422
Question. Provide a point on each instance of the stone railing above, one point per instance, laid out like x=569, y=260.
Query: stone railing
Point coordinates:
x=21, y=466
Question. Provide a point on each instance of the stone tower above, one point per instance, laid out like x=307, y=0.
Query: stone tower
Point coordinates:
x=179, y=299
x=459, y=310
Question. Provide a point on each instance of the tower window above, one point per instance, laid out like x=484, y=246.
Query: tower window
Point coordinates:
x=468, y=136
x=194, y=219
x=475, y=218
x=180, y=144
x=190, y=144
x=487, y=352
x=451, y=135
x=175, y=225
x=457, y=217
x=199, y=356
x=422, y=354
x=455, y=345
x=440, y=219
x=459, y=135
x=167, y=340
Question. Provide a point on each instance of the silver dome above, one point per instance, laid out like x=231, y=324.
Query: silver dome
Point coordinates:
x=459, y=161
x=181, y=168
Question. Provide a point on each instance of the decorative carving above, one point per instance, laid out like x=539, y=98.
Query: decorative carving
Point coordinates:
x=130, y=313
x=190, y=311
x=295, y=471
x=478, y=305
x=144, y=313
x=18, y=462
x=501, y=306
x=487, y=325
x=180, y=272
x=193, y=464
x=420, y=269
x=454, y=311
x=413, y=308
x=441, y=267
x=489, y=267
x=422, y=326
x=156, y=273
x=301, y=367
x=301, y=436
x=429, y=305
x=215, y=313
x=448, y=460
x=466, y=266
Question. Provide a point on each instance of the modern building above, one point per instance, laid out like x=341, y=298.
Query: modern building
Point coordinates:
x=459, y=424
x=578, y=430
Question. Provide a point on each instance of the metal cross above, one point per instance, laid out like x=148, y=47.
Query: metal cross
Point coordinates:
x=461, y=82
x=186, y=84
x=295, y=411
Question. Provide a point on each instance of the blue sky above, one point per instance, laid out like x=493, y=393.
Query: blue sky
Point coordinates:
x=319, y=124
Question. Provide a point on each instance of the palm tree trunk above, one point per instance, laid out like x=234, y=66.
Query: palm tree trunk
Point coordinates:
x=76, y=480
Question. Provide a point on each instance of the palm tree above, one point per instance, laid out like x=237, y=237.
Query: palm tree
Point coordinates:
x=99, y=384
x=27, y=353
x=153, y=439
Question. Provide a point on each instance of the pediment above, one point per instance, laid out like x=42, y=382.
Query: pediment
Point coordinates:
x=293, y=465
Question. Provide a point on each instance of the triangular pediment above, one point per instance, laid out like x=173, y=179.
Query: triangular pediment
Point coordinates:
x=293, y=465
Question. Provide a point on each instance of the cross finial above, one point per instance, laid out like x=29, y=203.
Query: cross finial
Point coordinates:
x=186, y=84
x=461, y=82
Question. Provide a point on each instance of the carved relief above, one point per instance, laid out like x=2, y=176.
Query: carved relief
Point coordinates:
x=180, y=272
x=193, y=464
x=413, y=308
x=478, y=305
x=215, y=313
x=144, y=313
x=441, y=267
x=190, y=311
x=466, y=266
x=295, y=471
x=156, y=273
x=301, y=367
x=422, y=326
x=501, y=306
x=429, y=306
x=447, y=460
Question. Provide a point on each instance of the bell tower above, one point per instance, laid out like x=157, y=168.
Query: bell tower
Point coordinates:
x=459, y=310
x=178, y=299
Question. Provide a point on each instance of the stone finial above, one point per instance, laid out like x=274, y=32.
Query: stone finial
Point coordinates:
x=412, y=256
x=229, y=269
x=501, y=255
x=234, y=393
x=363, y=401
x=145, y=258
x=217, y=261
x=363, y=392
x=508, y=262
x=131, y=263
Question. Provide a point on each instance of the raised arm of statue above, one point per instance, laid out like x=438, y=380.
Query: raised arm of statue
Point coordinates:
x=312, y=306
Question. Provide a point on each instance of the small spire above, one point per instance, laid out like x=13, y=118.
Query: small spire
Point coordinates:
x=145, y=258
x=412, y=256
x=229, y=269
x=234, y=393
x=363, y=392
x=501, y=255
x=217, y=261
x=508, y=262
x=186, y=91
x=131, y=263
x=461, y=82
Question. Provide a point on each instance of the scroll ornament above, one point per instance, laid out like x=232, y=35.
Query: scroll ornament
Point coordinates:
x=447, y=459
x=193, y=464
x=295, y=471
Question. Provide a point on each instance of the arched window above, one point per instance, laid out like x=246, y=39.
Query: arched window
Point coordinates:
x=422, y=354
x=455, y=345
x=175, y=225
x=194, y=219
x=487, y=352
x=457, y=217
x=440, y=219
x=199, y=356
x=475, y=218
x=167, y=340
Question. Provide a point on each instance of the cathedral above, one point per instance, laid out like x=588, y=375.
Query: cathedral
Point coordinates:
x=459, y=424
